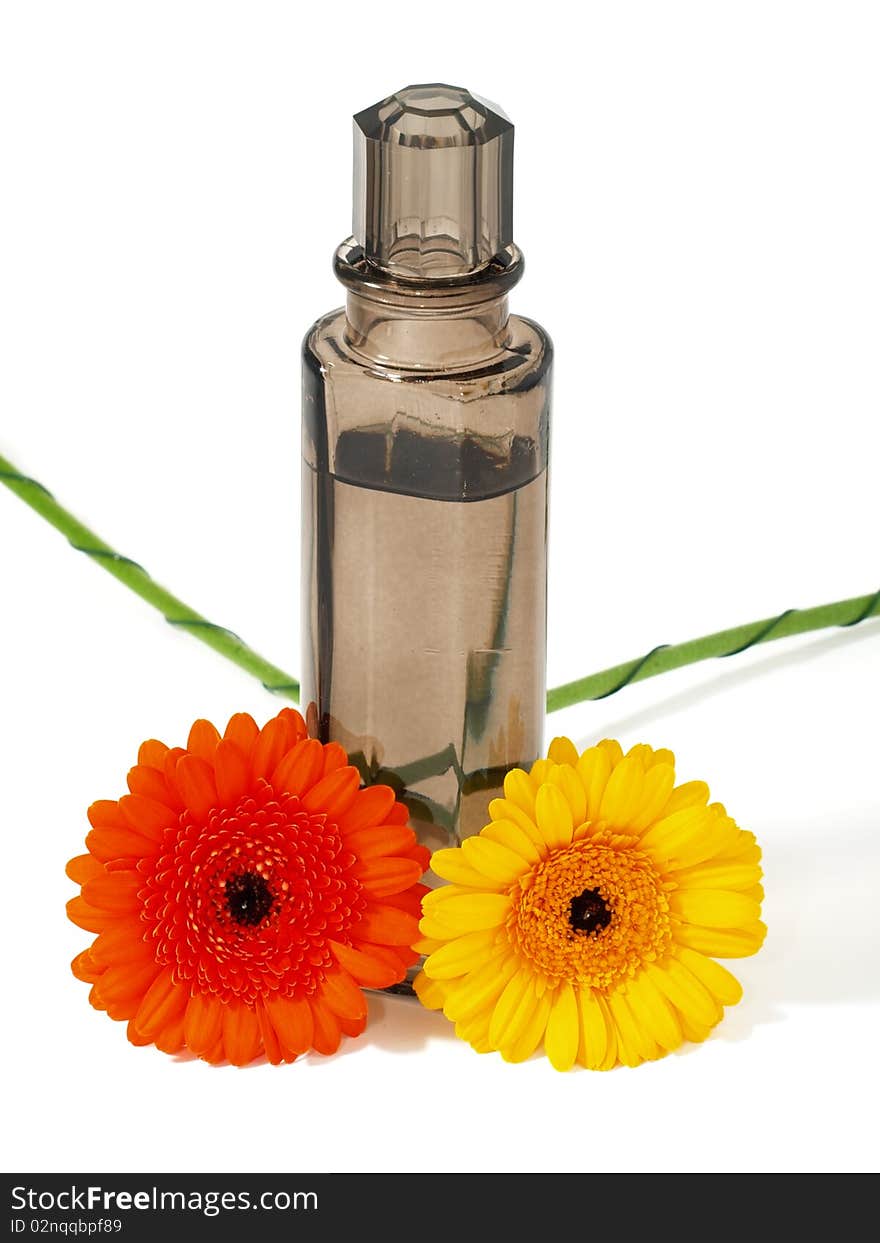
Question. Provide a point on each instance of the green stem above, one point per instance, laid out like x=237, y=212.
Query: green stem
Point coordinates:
x=597, y=686
x=135, y=577
x=723, y=643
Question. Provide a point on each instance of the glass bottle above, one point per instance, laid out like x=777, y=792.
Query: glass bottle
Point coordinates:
x=425, y=439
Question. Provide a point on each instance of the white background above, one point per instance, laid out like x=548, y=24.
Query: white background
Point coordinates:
x=698, y=199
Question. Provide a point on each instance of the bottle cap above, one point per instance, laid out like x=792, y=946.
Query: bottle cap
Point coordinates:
x=433, y=182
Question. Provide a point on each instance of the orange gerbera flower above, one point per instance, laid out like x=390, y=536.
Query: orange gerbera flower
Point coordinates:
x=244, y=892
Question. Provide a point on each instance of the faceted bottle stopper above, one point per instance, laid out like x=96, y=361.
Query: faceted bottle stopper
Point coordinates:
x=433, y=182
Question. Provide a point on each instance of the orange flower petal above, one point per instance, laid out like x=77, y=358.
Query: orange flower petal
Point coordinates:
x=87, y=917
x=342, y=995
x=121, y=941
x=216, y=1054
x=335, y=793
x=106, y=813
x=299, y=769
x=241, y=1034
x=334, y=757
x=127, y=980
x=270, y=747
x=203, y=1023
x=387, y=924
x=294, y=727
x=327, y=1033
x=135, y=1037
x=352, y=1027
x=381, y=840
x=293, y=1021
x=85, y=968
x=169, y=768
x=83, y=868
x=151, y=783
x=384, y=877
x=365, y=968
x=163, y=1002
x=146, y=816
x=231, y=771
x=202, y=740
x=393, y=956
x=170, y=1038
x=420, y=855
x=114, y=892
x=272, y=1046
x=106, y=844
x=410, y=901
x=194, y=778
x=399, y=814
x=243, y=731
x=152, y=752
x=370, y=807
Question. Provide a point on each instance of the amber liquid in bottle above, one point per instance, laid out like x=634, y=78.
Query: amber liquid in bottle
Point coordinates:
x=425, y=439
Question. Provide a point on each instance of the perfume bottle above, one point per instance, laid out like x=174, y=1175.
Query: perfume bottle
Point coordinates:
x=425, y=439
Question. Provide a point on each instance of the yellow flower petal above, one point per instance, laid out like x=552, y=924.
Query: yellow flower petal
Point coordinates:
x=685, y=991
x=723, y=986
x=714, y=908
x=519, y=790
x=656, y=789
x=479, y=990
x=540, y=771
x=594, y=769
x=593, y=1030
x=722, y=942
x=476, y=1032
x=494, y=861
x=562, y=1036
x=623, y=793
x=612, y=1050
x=563, y=751
x=565, y=777
x=629, y=1039
x=740, y=848
x=510, y=1016
x=514, y=838
x=687, y=837
x=653, y=1011
x=553, y=815
x=433, y=929
x=427, y=945
x=460, y=955
x=531, y=1037
x=695, y=1032
x=451, y=865
x=502, y=810
x=642, y=753
x=471, y=912
x=430, y=993
x=714, y=875
x=612, y=749
x=689, y=794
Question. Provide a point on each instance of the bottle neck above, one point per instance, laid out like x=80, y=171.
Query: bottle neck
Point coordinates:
x=432, y=325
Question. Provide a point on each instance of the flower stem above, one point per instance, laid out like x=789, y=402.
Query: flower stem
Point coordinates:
x=660, y=659
x=721, y=644
x=136, y=578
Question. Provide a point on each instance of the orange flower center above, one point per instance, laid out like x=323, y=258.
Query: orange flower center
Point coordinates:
x=591, y=914
x=246, y=903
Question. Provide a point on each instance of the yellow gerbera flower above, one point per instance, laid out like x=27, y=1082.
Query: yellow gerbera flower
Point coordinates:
x=587, y=912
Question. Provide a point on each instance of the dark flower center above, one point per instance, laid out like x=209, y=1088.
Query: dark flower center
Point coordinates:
x=248, y=898
x=589, y=912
